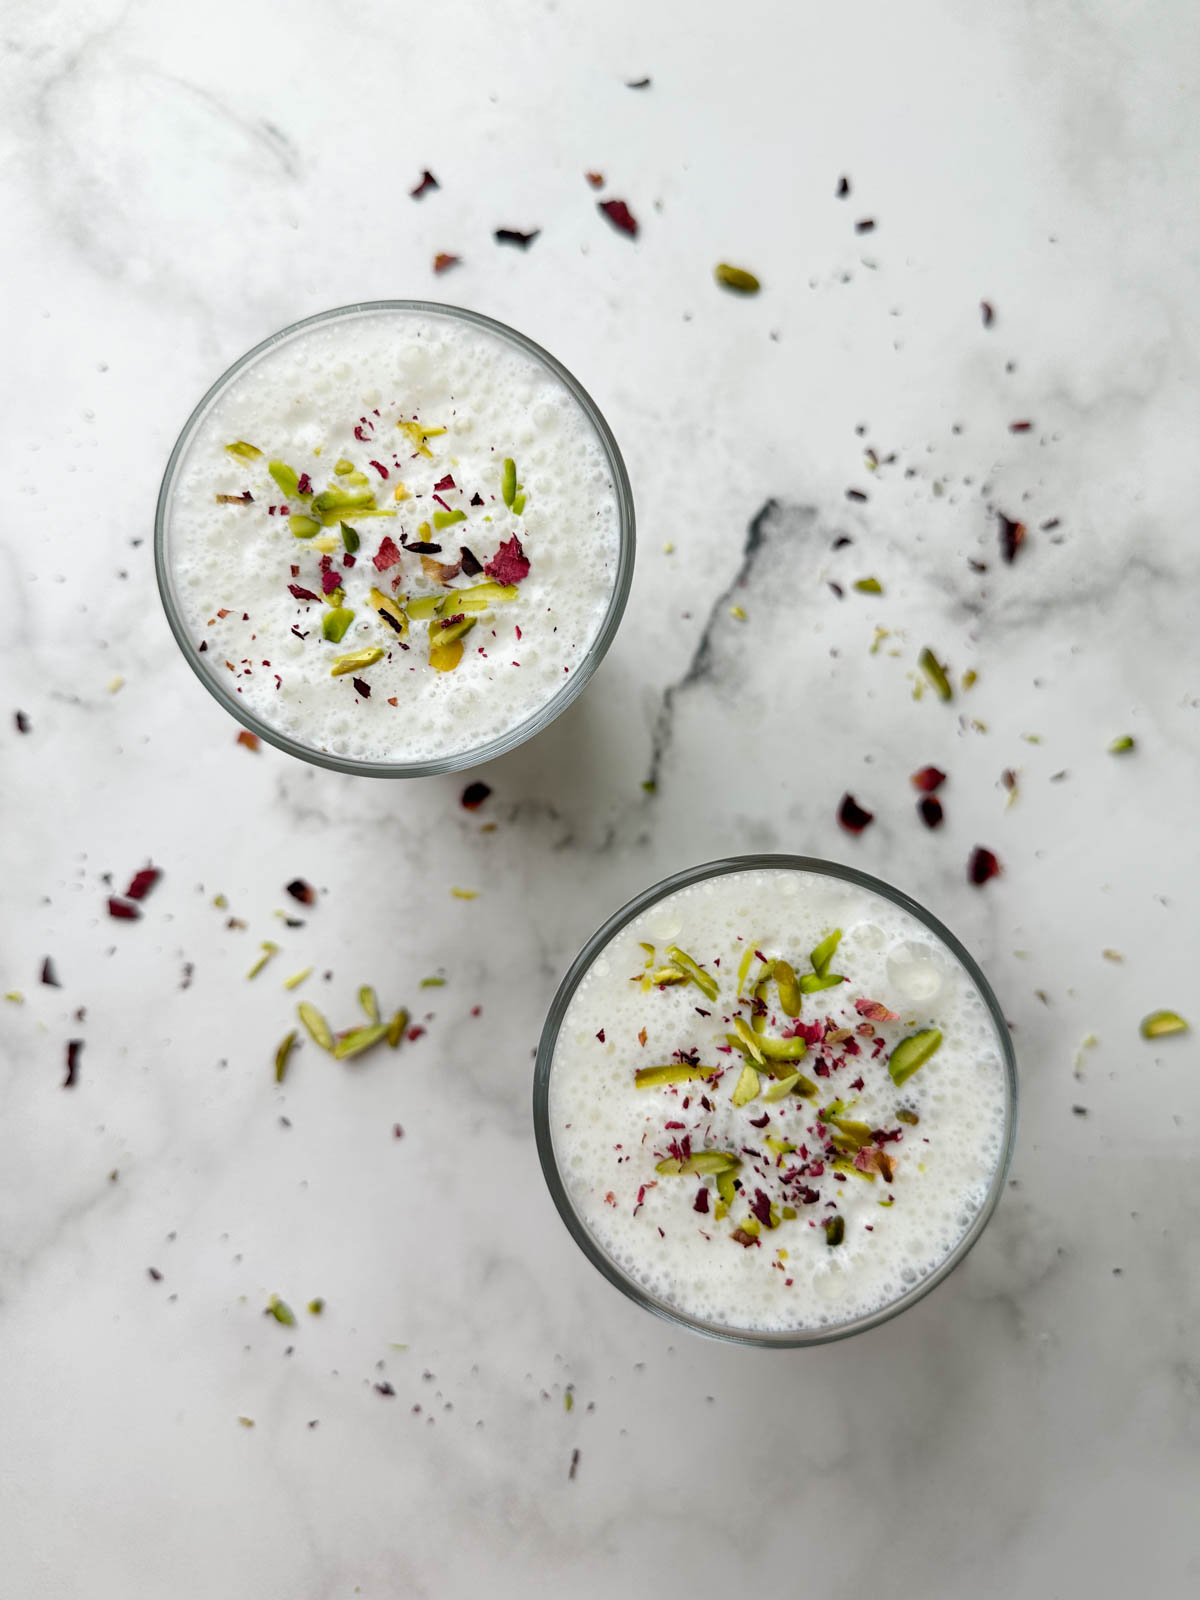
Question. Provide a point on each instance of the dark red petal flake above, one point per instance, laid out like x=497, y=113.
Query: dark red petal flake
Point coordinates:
x=301, y=593
x=387, y=555
x=122, y=911
x=49, y=976
x=931, y=811
x=700, y=1203
x=363, y=687
x=474, y=795
x=928, y=779
x=304, y=892
x=445, y=483
x=443, y=261
x=853, y=817
x=471, y=564
x=142, y=883
x=1012, y=537
x=22, y=721
x=74, y=1047
x=982, y=866
x=510, y=563
x=428, y=181
x=619, y=214
x=515, y=236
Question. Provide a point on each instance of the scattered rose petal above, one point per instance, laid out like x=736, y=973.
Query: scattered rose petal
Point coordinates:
x=304, y=892
x=843, y=189
x=443, y=261
x=596, y=179
x=986, y=312
x=928, y=779
x=637, y=83
x=363, y=687
x=22, y=722
x=875, y=1011
x=510, y=563
x=387, y=555
x=853, y=817
x=982, y=866
x=743, y=1238
x=515, y=236
x=1012, y=536
x=428, y=181
x=931, y=811
x=700, y=1203
x=74, y=1047
x=474, y=795
x=246, y=738
x=1019, y=427
x=471, y=564
x=301, y=593
x=619, y=214
x=49, y=976
x=142, y=883
x=330, y=580
x=445, y=483
x=123, y=911
x=865, y=225
x=600, y=1036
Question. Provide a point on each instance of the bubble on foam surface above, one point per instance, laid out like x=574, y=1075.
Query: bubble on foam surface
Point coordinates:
x=960, y=1096
x=308, y=394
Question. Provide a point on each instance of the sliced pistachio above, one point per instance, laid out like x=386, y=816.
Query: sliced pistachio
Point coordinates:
x=396, y=1027
x=356, y=1040
x=286, y=477
x=747, y=1040
x=649, y=949
x=331, y=504
x=736, y=278
x=326, y=543
x=281, y=1311
x=433, y=983
x=789, y=990
x=429, y=605
x=725, y=1187
x=909, y=1117
x=286, y=1046
x=390, y=612
x=779, y=1147
x=1120, y=745
x=417, y=435
x=303, y=527
x=367, y=1000
x=481, y=595
x=720, y=1211
x=936, y=673
x=814, y=982
x=355, y=661
x=671, y=1072
x=781, y=1049
x=446, y=633
x=358, y=479
x=758, y=1020
x=782, y=1087
x=857, y=1133
x=703, y=981
x=704, y=1163
x=744, y=968
x=912, y=1053
x=789, y=1215
x=752, y=1226
x=297, y=978
x=401, y=492
x=335, y=598
x=447, y=519
x=508, y=481
x=342, y=467
x=664, y=975
x=446, y=657
x=334, y=624
x=1161, y=1024
x=315, y=1023
x=244, y=451
x=825, y=951
x=268, y=950
x=518, y=505
x=747, y=1086
x=349, y=537
x=845, y=1165
x=316, y=1306
x=835, y=1230
x=869, y=586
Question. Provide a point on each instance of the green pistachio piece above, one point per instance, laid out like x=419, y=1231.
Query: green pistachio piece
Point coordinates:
x=789, y=990
x=281, y=1311
x=758, y=1020
x=780, y=1147
x=429, y=605
x=518, y=505
x=835, y=1230
x=315, y=1307
x=508, y=481
x=825, y=952
x=396, y=1027
x=745, y=1039
x=661, y=976
x=358, y=479
x=909, y=1117
x=782, y=1087
x=751, y=1226
x=356, y=1040
x=341, y=500
x=744, y=968
x=417, y=435
x=747, y=1086
x=350, y=537
x=447, y=519
x=789, y=1213
x=315, y=1023
x=334, y=624
x=706, y=984
x=672, y=1072
x=869, y=586
x=781, y=1049
x=335, y=599
x=814, y=982
x=736, y=278
x=844, y=1164
x=297, y=978
x=704, y=1163
x=303, y=527
x=244, y=451
x=355, y=661
x=1119, y=746
x=912, y=1053
x=286, y=477
x=725, y=1186
x=341, y=466
x=1161, y=1024
x=390, y=612
x=268, y=950
x=481, y=595
x=857, y=1134
x=936, y=673
x=442, y=634
x=286, y=1047
x=367, y=1000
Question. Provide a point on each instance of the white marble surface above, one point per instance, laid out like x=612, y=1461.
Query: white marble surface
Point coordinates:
x=179, y=182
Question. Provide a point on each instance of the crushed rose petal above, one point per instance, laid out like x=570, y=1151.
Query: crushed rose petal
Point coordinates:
x=982, y=866
x=510, y=563
x=853, y=817
x=387, y=555
x=928, y=779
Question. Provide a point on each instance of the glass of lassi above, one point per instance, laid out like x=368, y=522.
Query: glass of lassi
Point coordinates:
x=395, y=539
x=775, y=1100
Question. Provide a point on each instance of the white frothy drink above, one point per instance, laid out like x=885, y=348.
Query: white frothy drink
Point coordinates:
x=394, y=536
x=793, y=1132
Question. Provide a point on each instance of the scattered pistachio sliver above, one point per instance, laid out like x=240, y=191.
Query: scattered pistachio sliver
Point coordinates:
x=447, y=519
x=814, y=982
x=1161, y=1024
x=417, y=436
x=788, y=988
x=429, y=605
x=725, y=1187
x=446, y=657
x=508, y=481
x=736, y=278
x=316, y=1306
x=330, y=500
x=858, y=1133
x=349, y=537
x=303, y=527
x=334, y=623
x=869, y=586
x=286, y=477
x=752, y=1226
x=480, y=595
x=781, y=1049
x=825, y=951
x=389, y=611
x=747, y=1086
x=432, y=983
x=841, y=1164
x=782, y=1087
x=281, y=1311
x=246, y=452
x=703, y=981
x=661, y=976
x=747, y=1040
x=315, y=1023
x=367, y=1000
x=912, y=1053
x=355, y=661
x=909, y=1117
x=286, y=1046
x=744, y=968
x=15, y=997
x=779, y=1147
x=297, y=978
x=835, y=1230
x=671, y=1072
x=1120, y=745
x=341, y=466
x=936, y=673
x=356, y=1040
x=442, y=633
x=268, y=950
x=401, y=492
x=518, y=505
x=465, y=894
x=396, y=1027
x=704, y=1163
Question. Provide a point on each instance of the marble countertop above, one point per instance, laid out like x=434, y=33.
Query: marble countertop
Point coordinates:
x=178, y=184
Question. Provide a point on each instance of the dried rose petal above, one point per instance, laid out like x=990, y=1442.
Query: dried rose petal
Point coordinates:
x=596, y=179
x=1019, y=427
x=330, y=580
x=510, y=563
x=515, y=236
x=928, y=779
x=74, y=1046
x=422, y=547
x=931, y=812
x=248, y=739
x=471, y=564
x=474, y=795
x=22, y=721
x=700, y=1203
x=387, y=555
x=876, y=1011
x=852, y=816
x=363, y=687
x=637, y=83
x=982, y=866
x=445, y=483
x=865, y=225
x=428, y=181
x=843, y=189
x=986, y=312
x=142, y=883
x=1012, y=536
x=301, y=593
x=619, y=214
x=304, y=892
x=443, y=261
x=743, y=1238
x=122, y=911
x=49, y=976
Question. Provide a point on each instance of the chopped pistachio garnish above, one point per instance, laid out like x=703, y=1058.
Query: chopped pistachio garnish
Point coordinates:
x=396, y=1027
x=857, y=1134
x=358, y=479
x=341, y=466
x=332, y=504
x=789, y=989
x=367, y=1000
x=334, y=623
x=268, y=950
x=568, y=1400
x=970, y=678
x=835, y=1230
x=326, y=543
x=286, y=1046
x=744, y=967
x=814, y=982
x=287, y=478
x=401, y=492
x=465, y=894
x=355, y=661
x=315, y=1307
x=841, y=1164
x=909, y=1117
x=508, y=481
x=779, y=1147
x=297, y=978
x=747, y=1086
x=445, y=633
x=1120, y=745
x=349, y=537
x=745, y=1039
x=317, y=1027
x=429, y=605
x=703, y=981
x=303, y=527
x=789, y=1215
x=281, y=1311
x=433, y=983
x=936, y=673
x=447, y=519
x=725, y=1186
x=446, y=657
x=736, y=278
x=417, y=436
x=752, y=1226
x=356, y=1040
x=671, y=1072
x=791, y=1083
x=245, y=1422
x=247, y=452
x=781, y=1049
x=912, y=1053
x=481, y=595
x=705, y=1163
x=660, y=976
x=869, y=586
x=518, y=505
x=825, y=951
x=392, y=614
x=737, y=613
x=1161, y=1024
x=15, y=997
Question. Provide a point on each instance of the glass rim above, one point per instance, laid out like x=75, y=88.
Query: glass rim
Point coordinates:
x=762, y=1339
x=460, y=760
